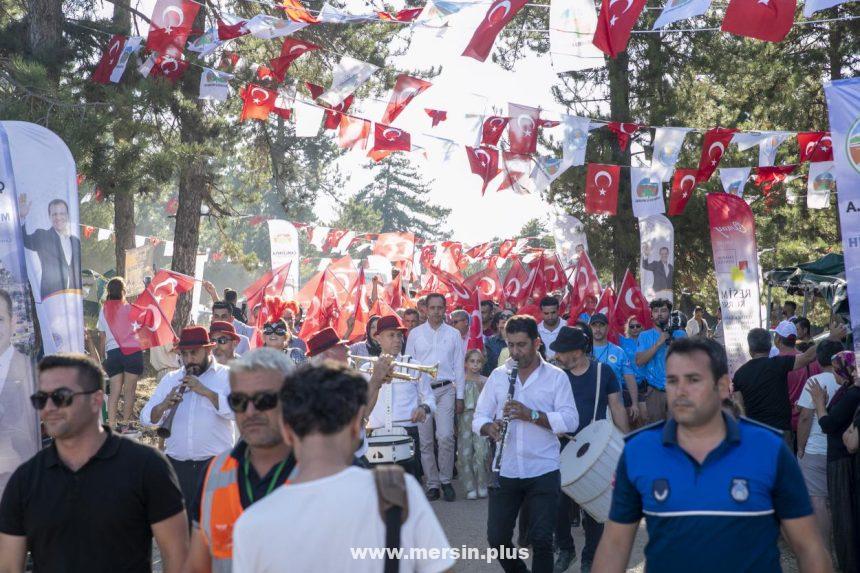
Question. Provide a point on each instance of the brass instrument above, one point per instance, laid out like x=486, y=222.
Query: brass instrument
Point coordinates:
x=433, y=371
x=165, y=429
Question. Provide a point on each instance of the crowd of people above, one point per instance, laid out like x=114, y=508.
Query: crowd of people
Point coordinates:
x=269, y=439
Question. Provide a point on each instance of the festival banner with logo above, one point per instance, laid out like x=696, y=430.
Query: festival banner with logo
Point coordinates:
x=646, y=192
x=19, y=422
x=284, y=241
x=843, y=106
x=570, y=239
x=657, y=263
x=736, y=266
x=572, y=24
x=820, y=184
x=734, y=179
x=138, y=264
x=46, y=188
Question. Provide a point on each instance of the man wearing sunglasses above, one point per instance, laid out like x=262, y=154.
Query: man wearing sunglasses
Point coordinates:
x=259, y=464
x=203, y=423
x=92, y=500
x=225, y=338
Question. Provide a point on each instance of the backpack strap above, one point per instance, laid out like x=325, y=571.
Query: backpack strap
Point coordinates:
x=393, y=507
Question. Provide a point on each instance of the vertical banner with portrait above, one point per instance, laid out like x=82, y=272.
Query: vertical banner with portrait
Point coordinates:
x=19, y=422
x=736, y=266
x=284, y=243
x=570, y=239
x=47, y=191
x=843, y=106
x=657, y=262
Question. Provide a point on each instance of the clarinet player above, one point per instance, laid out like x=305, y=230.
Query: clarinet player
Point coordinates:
x=541, y=407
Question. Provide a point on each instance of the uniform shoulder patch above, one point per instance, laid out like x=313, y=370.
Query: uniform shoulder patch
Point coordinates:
x=653, y=426
x=744, y=419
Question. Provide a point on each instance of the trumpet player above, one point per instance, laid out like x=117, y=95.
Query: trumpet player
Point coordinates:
x=541, y=408
x=202, y=426
x=409, y=403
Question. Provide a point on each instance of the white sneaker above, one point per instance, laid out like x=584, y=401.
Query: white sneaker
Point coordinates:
x=482, y=492
x=471, y=495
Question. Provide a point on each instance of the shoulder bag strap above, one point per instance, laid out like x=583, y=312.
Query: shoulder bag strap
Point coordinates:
x=597, y=391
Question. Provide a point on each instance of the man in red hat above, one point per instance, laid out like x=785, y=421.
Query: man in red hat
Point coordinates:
x=327, y=345
x=400, y=403
x=202, y=426
x=223, y=334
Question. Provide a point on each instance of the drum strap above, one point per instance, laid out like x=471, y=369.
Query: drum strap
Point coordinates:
x=393, y=508
x=597, y=392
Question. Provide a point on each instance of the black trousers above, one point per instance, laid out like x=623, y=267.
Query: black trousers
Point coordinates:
x=540, y=495
x=413, y=465
x=564, y=538
x=190, y=474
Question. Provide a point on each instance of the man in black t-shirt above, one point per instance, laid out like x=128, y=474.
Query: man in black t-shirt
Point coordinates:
x=93, y=500
x=761, y=385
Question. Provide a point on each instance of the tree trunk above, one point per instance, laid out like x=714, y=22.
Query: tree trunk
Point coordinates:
x=834, y=48
x=625, y=242
x=124, y=226
x=45, y=34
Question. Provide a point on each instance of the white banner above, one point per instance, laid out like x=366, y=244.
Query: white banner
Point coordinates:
x=213, y=85
x=19, y=422
x=657, y=263
x=284, y=243
x=131, y=46
x=646, y=192
x=843, y=106
x=572, y=24
x=812, y=6
x=138, y=265
x=570, y=239
x=667, y=147
x=675, y=10
x=819, y=185
x=734, y=179
x=199, y=269
x=347, y=76
x=575, y=139
x=47, y=193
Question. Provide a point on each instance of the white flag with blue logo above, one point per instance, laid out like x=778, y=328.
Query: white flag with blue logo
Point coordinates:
x=675, y=10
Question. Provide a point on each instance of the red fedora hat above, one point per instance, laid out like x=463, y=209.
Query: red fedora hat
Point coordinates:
x=194, y=337
x=388, y=322
x=322, y=340
x=219, y=326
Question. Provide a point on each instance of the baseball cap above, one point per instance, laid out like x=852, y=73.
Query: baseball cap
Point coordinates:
x=598, y=317
x=785, y=329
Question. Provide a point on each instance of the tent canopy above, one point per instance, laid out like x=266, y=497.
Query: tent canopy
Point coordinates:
x=824, y=277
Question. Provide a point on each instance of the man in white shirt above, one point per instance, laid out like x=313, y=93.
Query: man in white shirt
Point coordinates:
x=203, y=423
x=460, y=321
x=435, y=342
x=551, y=324
x=542, y=407
x=331, y=509
x=811, y=441
x=400, y=403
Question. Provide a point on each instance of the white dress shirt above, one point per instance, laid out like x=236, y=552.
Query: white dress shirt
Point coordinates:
x=66, y=243
x=403, y=396
x=199, y=430
x=548, y=336
x=443, y=346
x=530, y=450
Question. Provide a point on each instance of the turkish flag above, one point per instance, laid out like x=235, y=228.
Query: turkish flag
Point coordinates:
x=393, y=293
x=484, y=162
x=170, y=26
x=397, y=246
x=516, y=169
x=149, y=322
x=341, y=273
x=333, y=239
x=461, y=295
x=166, y=286
x=510, y=247
x=437, y=115
x=488, y=282
x=714, y=146
x=553, y=273
x=537, y=286
x=475, y=341
x=324, y=310
x=768, y=20
x=353, y=132
x=623, y=131
x=162, y=66
x=606, y=305
x=497, y=17
x=585, y=288
x=522, y=128
x=767, y=177
x=614, y=24
x=258, y=102
x=683, y=186
x=406, y=88
x=601, y=189
x=480, y=251
x=815, y=146
x=271, y=283
x=492, y=129
x=517, y=283
x=331, y=116
x=264, y=74
x=291, y=50
x=450, y=257
x=109, y=60
x=631, y=302
x=297, y=12
x=356, y=308
x=231, y=31
x=387, y=138
x=407, y=15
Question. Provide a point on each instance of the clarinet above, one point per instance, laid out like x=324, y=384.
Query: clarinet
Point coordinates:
x=500, y=446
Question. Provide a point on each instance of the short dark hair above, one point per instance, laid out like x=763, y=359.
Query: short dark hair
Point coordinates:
x=421, y=300
x=664, y=248
x=787, y=341
x=759, y=341
x=409, y=311
x=5, y=296
x=548, y=301
x=115, y=287
x=435, y=295
x=698, y=308
x=58, y=202
x=719, y=362
x=522, y=323
x=488, y=303
x=231, y=296
x=321, y=398
x=90, y=373
x=222, y=305
x=792, y=304
x=804, y=322
x=660, y=303
x=825, y=351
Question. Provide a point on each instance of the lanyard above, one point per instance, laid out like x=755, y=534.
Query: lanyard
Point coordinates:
x=271, y=483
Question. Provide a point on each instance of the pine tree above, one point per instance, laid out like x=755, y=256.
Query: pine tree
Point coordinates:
x=399, y=195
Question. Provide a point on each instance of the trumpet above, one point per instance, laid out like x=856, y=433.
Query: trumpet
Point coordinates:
x=358, y=361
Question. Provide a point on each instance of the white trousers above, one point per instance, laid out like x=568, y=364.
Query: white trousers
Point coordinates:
x=443, y=472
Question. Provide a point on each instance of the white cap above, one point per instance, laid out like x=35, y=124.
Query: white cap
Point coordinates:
x=785, y=329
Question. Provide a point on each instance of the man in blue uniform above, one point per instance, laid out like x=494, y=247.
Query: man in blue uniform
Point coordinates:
x=714, y=490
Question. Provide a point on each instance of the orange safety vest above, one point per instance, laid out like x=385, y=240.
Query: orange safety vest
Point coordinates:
x=220, y=507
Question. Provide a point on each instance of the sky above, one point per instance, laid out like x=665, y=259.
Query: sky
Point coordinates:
x=465, y=86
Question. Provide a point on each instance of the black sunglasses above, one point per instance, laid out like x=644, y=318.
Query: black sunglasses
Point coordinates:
x=635, y=326
x=280, y=331
x=222, y=340
x=61, y=397
x=262, y=401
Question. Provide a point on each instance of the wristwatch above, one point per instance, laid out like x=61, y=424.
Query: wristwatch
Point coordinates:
x=535, y=416
x=426, y=408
